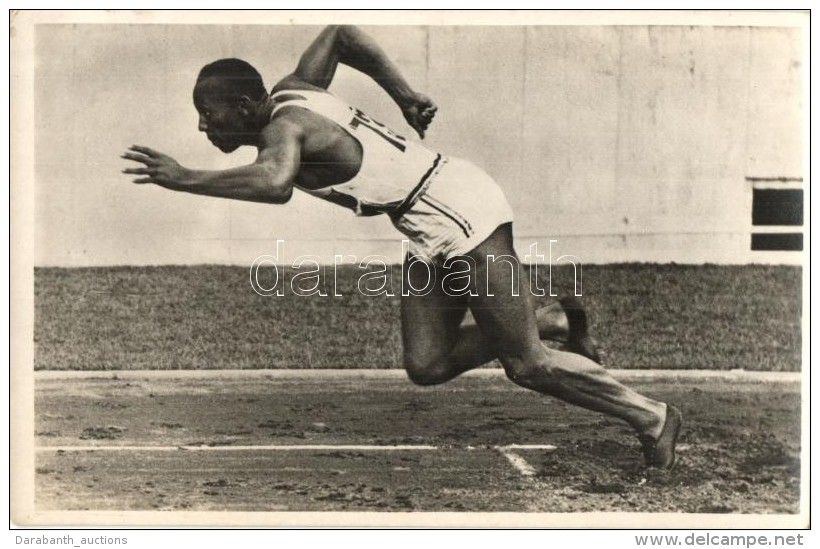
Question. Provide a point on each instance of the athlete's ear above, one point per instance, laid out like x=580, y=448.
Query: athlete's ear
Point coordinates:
x=245, y=104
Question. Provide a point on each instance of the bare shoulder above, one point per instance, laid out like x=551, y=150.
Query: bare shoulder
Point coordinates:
x=293, y=82
x=291, y=118
x=287, y=125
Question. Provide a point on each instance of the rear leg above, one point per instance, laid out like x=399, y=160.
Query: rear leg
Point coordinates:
x=578, y=339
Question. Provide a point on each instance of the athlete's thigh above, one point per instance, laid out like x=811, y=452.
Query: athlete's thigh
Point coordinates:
x=430, y=320
x=503, y=307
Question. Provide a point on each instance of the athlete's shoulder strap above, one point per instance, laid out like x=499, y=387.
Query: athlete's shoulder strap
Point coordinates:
x=322, y=103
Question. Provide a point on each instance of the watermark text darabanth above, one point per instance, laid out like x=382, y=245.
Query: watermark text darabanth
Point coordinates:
x=458, y=276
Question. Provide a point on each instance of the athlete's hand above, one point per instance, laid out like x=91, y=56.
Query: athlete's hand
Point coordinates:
x=419, y=111
x=159, y=168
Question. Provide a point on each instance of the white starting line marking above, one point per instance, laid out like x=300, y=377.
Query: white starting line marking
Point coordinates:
x=521, y=465
x=545, y=447
x=236, y=448
x=507, y=451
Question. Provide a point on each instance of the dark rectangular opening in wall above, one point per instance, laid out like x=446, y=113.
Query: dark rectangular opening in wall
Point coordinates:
x=783, y=242
x=777, y=207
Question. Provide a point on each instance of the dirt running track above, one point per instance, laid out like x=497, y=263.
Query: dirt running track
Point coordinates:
x=178, y=443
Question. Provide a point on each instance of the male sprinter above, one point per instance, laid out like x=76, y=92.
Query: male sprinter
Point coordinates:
x=453, y=213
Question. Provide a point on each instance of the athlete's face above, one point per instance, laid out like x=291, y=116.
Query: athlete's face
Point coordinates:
x=225, y=124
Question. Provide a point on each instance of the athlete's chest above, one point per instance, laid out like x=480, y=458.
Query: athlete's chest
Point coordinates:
x=329, y=156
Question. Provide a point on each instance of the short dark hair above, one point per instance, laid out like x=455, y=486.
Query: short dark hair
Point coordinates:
x=242, y=78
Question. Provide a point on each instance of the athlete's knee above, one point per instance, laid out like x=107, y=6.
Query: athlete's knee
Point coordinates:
x=425, y=370
x=428, y=376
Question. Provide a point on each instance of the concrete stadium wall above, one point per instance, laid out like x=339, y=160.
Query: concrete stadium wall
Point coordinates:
x=628, y=143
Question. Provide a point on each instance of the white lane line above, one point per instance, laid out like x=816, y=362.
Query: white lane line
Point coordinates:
x=518, y=462
x=312, y=447
x=397, y=374
x=521, y=464
x=232, y=448
x=290, y=447
x=545, y=447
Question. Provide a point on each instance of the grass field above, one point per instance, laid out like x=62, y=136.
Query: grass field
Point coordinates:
x=208, y=317
x=372, y=441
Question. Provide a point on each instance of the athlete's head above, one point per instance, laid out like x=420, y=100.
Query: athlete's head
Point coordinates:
x=226, y=94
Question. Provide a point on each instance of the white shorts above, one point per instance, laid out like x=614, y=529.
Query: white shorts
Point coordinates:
x=461, y=207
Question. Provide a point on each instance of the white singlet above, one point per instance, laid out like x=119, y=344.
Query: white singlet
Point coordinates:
x=394, y=170
x=446, y=206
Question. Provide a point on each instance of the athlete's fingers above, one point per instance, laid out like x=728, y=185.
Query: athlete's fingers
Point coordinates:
x=145, y=180
x=138, y=157
x=139, y=171
x=134, y=156
x=146, y=150
x=148, y=161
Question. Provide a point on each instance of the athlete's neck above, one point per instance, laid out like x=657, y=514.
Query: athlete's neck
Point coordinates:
x=259, y=118
x=264, y=109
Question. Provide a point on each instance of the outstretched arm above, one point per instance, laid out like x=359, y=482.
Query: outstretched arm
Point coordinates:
x=269, y=180
x=350, y=46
